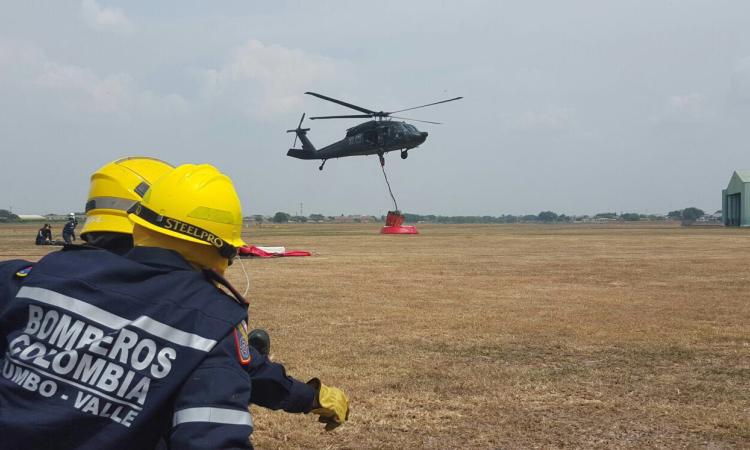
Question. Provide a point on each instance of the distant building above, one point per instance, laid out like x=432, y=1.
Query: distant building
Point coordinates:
x=710, y=218
x=54, y=217
x=30, y=217
x=735, y=200
x=597, y=220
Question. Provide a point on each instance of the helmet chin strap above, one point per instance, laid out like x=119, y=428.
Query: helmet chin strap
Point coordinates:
x=247, y=278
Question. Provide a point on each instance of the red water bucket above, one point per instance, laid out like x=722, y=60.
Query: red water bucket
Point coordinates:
x=394, y=219
x=399, y=230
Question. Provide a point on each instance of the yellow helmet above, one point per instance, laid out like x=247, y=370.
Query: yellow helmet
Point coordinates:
x=115, y=188
x=194, y=203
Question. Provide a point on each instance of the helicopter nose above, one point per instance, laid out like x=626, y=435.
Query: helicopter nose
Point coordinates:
x=424, y=135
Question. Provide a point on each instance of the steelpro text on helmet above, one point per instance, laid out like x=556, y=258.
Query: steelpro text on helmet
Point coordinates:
x=226, y=250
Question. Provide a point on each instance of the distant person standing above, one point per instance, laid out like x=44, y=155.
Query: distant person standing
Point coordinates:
x=44, y=235
x=69, y=230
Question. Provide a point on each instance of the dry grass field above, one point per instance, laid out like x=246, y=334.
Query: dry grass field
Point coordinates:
x=505, y=336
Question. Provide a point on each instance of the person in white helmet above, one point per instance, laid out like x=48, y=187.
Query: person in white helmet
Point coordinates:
x=69, y=230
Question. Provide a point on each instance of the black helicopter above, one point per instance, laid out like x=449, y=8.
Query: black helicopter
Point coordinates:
x=375, y=137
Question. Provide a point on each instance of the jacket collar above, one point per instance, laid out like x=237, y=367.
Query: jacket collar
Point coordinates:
x=159, y=257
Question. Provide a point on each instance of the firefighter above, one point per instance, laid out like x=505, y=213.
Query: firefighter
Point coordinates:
x=132, y=350
x=44, y=235
x=69, y=230
x=115, y=188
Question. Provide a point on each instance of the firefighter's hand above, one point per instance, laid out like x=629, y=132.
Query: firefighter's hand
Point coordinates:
x=332, y=405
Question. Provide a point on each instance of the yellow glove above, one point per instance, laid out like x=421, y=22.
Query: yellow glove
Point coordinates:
x=332, y=405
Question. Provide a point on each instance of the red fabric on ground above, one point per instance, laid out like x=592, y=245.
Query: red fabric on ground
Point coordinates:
x=251, y=250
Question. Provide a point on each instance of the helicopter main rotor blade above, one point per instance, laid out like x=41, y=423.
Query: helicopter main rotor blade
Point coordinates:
x=356, y=116
x=417, y=107
x=415, y=120
x=348, y=105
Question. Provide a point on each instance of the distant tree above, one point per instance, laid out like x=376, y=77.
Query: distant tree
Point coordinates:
x=316, y=217
x=718, y=212
x=303, y=219
x=607, y=215
x=281, y=217
x=692, y=213
x=631, y=217
x=675, y=214
x=331, y=218
x=7, y=216
x=563, y=218
x=357, y=220
x=529, y=218
x=413, y=218
x=547, y=216
x=258, y=218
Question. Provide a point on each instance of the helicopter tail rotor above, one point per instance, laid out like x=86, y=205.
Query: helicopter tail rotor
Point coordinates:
x=298, y=130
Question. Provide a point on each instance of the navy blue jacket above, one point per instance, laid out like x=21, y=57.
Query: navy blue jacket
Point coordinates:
x=43, y=235
x=129, y=351
x=70, y=228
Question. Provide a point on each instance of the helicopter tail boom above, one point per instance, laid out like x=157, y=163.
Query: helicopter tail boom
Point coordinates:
x=302, y=154
x=307, y=146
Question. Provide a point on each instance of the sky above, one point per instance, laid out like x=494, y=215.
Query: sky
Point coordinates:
x=578, y=107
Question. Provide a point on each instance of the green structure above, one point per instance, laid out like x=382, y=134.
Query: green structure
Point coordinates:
x=735, y=200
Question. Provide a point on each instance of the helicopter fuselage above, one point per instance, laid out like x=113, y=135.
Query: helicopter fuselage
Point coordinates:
x=375, y=137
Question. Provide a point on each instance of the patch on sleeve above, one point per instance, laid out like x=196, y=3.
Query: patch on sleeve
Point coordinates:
x=24, y=272
x=243, y=348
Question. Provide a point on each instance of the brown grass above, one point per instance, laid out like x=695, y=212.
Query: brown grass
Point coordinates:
x=529, y=336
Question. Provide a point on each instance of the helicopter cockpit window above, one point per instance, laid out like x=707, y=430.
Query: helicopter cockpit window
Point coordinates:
x=410, y=127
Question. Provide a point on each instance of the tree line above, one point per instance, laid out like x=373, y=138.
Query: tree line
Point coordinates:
x=7, y=216
x=691, y=213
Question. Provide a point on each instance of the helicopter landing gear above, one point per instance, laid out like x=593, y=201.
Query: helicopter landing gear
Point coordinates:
x=321, y=166
x=404, y=154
